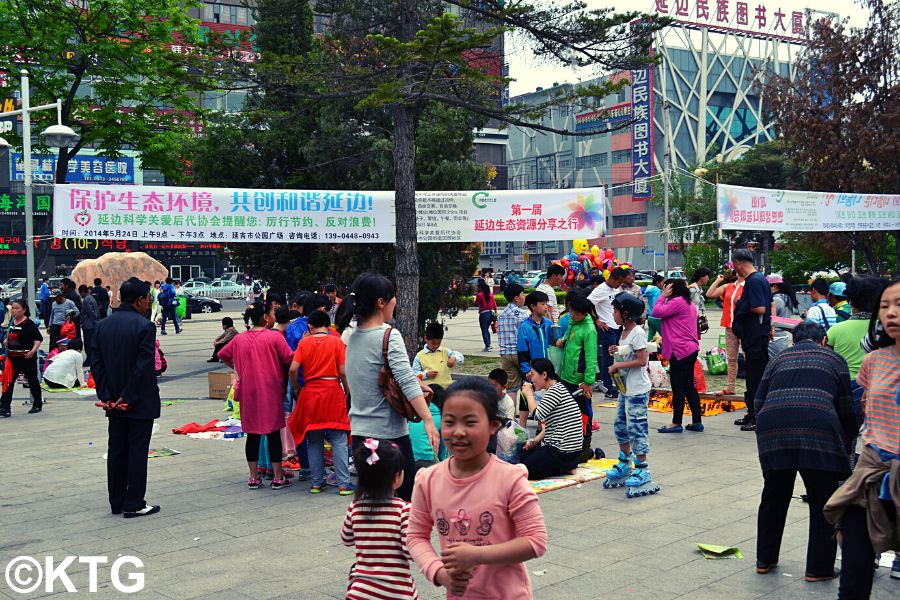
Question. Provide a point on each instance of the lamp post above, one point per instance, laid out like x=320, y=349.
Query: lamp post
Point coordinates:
x=57, y=136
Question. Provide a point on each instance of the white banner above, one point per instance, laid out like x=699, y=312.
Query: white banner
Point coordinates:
x=187, y=214
x=787, y=210
x=514, y=215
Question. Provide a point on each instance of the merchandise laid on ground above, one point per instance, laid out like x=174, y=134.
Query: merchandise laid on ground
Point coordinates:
x=710, y=404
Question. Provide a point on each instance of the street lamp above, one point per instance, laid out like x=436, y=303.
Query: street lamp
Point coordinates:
x=56, y=136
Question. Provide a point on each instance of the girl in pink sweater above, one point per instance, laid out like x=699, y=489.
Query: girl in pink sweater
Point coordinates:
x=485, y=511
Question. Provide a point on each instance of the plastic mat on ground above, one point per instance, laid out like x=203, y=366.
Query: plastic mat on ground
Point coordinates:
x=593, y=469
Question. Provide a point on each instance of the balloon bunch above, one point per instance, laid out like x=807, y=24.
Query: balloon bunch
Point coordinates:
x=581, y=260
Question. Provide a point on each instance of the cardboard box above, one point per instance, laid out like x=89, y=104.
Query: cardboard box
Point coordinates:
x=219, y=384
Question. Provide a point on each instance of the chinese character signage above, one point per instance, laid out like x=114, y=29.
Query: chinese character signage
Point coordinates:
x=600, y=118
x=642, y=132
x=511, y=215
x=738, y=16
x=14, y=204
x=87, y=169
x=783, y=210
x=174, y=215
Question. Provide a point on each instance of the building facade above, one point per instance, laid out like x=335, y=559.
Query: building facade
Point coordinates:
x=701, y=102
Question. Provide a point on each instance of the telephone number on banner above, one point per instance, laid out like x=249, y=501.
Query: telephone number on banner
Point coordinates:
x=351, y=236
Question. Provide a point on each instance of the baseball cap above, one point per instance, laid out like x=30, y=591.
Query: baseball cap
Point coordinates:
x=55, y=292
x=838, y=288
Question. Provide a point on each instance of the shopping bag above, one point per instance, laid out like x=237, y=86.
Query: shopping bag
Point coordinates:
x=715, y=363
x=658, y=375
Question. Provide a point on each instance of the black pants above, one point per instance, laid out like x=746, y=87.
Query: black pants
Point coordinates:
x=126, y=462
x=857, y=556
x=216, y=349
x=773, y=508
x=409, y=467
x=58, y=386
x=55, y=334
x=547, y=461
x=87, y=335
x=681, y=376
x=273, y=440
x=20, y=364
x=756, y=362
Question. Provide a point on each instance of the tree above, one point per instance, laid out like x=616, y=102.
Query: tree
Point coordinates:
x=692, y=208
x=840, y=115
x=142, y=93
x=401, y=57
x=280, y=141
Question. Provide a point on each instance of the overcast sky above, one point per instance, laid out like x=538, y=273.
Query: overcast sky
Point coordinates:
x=531, y=73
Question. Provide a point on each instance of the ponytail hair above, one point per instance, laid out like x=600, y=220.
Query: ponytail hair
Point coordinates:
x=256, y=313
x=365, y=292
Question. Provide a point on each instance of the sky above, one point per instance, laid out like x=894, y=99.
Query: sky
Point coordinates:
x=531, y=73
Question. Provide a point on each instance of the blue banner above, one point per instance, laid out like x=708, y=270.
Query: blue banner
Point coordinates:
x=642, y=132
x=81, y=169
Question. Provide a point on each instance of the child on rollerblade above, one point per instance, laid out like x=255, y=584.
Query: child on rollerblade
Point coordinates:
x=629, y=368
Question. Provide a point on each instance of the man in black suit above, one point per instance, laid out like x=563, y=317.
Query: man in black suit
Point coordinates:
x=101, y=296
x=122, y=363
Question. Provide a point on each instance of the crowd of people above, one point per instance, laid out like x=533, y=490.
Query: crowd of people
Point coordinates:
x=317, y=370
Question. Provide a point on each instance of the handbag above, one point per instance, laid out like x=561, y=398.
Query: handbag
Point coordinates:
x=391, y=391
x=702, y=325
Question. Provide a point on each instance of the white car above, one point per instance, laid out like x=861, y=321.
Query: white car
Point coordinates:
x=12, y=287
x=222, y=288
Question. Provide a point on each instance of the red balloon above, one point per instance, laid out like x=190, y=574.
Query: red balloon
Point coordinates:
x=564, y=262
x=609, y=254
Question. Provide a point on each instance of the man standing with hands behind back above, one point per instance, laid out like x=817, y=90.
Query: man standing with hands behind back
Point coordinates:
x=122, y=363
x=752, y=324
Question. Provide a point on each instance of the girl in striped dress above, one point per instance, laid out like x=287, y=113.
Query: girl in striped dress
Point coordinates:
x=376, y=524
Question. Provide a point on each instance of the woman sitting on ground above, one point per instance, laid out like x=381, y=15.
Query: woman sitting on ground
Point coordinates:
x=557, y=447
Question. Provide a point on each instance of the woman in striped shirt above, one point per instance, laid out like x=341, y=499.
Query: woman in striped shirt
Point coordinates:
x=557, y=447
x=376, y=525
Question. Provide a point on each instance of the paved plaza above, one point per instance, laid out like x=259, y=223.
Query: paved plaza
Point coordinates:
x=215, y=538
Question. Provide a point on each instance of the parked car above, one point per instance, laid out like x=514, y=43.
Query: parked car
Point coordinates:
x=221, y=289
x=202, y=304
x=199, y=281
x=13, y=286
x=641, y=276
x=676, y=274
x=194, y=284
x=532, y=279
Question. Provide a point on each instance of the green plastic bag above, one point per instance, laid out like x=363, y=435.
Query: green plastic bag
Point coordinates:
x=181, y=309
x=715, y=364
x=556, y=357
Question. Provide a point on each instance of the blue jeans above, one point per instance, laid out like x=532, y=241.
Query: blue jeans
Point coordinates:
x=171, y=313
x=315, y=439
x=631, y=422
x=605, y=339
x=484, y=321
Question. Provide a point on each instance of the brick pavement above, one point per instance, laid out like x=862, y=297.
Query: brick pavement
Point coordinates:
x=215, y=538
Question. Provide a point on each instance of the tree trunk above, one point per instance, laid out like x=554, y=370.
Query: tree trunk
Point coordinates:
x=896, y=235
x=407, y=260
x=870, y=256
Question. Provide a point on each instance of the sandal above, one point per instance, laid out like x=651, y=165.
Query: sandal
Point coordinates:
x=725, y=392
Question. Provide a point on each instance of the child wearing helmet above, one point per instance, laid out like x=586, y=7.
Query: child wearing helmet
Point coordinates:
x=631, y=430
